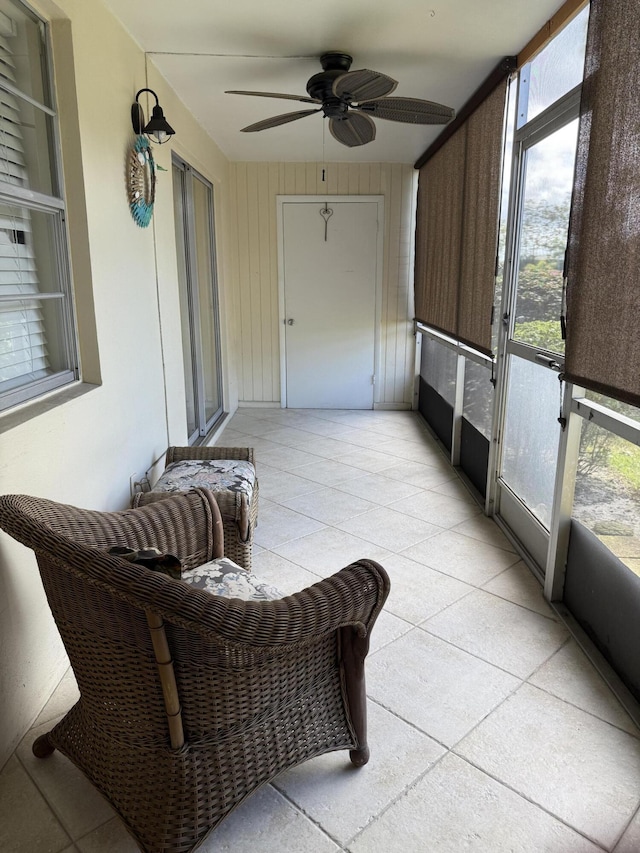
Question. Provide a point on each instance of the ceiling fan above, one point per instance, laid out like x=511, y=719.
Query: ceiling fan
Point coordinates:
x=350, y=99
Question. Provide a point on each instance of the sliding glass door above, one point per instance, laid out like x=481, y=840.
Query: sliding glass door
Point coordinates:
x=195, y=244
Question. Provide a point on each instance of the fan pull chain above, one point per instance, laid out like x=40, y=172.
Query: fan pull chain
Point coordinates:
x=326, y=213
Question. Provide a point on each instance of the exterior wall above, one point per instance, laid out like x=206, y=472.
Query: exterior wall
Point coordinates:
x=254, y=268
x=81, y=448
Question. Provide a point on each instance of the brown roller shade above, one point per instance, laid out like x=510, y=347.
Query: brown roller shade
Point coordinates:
x=603, y=261
x=480, y=222
x=438, y=235
x=457, y=224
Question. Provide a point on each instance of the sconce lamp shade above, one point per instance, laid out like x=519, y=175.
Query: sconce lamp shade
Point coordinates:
x=158, y=129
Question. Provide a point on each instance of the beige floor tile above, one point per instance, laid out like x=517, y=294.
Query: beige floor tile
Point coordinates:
x=111, y=837
x=361, y=437
x=518, y=584
x=418, y=592
x=579, y=768
x=457, y=808
x=27, y=824
x=282, y=574
x=64, y=697
x=630, y=841
x=378, y=488
x=367, y=460
x=416, y=451
x=326, y=447
x=411, y=430
x=76, y=803
x=437, y=509
x=280, y=486
x=456, y=488
x=248, y=425
x=389, y=528
x=327, y=472
x=486, y=530
x=343, y=799
x=498, y=631
x=278, y=524
x=419, y=474
x=329, y=550
x=569, y=675
x=442, y=690
x=285, y=458
x=232, y=438
x=329, y=506
x=289, y=436
x=387, y=628
x=319, y=427
x=267, y=823
x=469, y=560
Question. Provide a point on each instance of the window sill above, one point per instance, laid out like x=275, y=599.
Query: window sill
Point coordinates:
x=35, y=408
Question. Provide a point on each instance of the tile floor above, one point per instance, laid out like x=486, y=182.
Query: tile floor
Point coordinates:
x=489, y=729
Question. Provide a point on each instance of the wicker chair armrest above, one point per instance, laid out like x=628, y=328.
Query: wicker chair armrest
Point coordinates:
x=178, y=454
x=353, y=596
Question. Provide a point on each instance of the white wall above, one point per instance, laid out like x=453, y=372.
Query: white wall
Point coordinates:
x=83, y=449
x=254, y=272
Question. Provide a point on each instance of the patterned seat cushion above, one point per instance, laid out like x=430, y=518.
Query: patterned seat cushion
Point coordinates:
x=224, y=577
x=234, y=475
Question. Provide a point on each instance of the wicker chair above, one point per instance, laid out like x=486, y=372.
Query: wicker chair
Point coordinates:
x=239, y=516
x=190, y=701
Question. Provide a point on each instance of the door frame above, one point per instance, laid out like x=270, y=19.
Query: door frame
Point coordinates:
x=281, y=200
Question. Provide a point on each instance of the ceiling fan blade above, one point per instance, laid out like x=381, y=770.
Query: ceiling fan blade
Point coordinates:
x=352, y=130
x=363, y=85
x=409, y=110
x=300, y=98
x=276, y=121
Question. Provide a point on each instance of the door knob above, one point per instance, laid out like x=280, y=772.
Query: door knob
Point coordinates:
x=290, y=322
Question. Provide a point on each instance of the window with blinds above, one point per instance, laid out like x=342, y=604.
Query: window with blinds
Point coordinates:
x=37, y=340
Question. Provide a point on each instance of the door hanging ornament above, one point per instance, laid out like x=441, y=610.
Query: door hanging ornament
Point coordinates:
x=326, y=213
x=141, y=181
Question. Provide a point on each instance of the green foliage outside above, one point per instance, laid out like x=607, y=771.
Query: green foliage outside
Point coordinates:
x=543, y=334
x=624, y=459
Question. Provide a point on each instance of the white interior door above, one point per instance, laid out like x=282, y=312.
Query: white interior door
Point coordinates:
x=329, y=267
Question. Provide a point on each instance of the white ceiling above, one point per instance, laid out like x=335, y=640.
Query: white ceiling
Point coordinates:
x=440, y=50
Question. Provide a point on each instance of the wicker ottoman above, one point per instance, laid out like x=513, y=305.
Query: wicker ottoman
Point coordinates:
x=229, y=472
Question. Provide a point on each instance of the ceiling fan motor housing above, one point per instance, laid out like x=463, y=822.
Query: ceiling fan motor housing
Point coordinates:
x=320, y=86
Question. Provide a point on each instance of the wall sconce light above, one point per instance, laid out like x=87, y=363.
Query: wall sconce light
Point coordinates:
x=158, y=129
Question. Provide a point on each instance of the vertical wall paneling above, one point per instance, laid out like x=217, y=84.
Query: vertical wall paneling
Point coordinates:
x=256, y=187
x=266, y=300
x=255, y=278
x=274, y=189
x=247, y=309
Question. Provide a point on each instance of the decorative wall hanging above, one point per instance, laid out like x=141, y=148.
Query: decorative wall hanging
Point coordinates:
x=141, y=181
x=325, y=213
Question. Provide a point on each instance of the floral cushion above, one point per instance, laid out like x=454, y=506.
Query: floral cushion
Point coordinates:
x=224, y=577
x=236, y=475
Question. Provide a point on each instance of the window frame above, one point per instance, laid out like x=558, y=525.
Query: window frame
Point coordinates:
x=55, y=207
